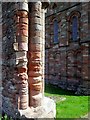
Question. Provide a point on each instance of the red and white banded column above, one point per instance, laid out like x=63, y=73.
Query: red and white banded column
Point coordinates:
x=21, y=48
x=35, y=66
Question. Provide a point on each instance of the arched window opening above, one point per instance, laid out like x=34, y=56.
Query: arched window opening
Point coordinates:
x=74, y=28
x=55, y=31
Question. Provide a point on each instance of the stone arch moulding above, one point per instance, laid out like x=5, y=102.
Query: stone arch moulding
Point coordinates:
x=79, y=60
x=68, y=54
x=69, y=64
x=69, y=20
x=73, y=13
x=52, y=19
x=77, y=51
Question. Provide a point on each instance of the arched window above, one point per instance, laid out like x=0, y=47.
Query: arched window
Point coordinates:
x=55, y=31
x=74, y=28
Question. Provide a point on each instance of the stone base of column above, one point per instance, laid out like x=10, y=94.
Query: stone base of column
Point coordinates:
x=47, y=110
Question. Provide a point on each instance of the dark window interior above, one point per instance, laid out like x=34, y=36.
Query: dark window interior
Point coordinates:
x=55, y=31
x=74, y=28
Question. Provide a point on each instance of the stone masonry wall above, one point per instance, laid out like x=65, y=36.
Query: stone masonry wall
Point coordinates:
x=15, y=94
x=9, y=90
x=67, y=62
x=22, y=61
x=14, y=57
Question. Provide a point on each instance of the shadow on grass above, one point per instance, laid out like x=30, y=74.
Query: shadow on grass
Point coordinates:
x=52, y=89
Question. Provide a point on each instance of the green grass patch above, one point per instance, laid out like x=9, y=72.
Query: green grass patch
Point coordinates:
x=5, y=117
x=73, y=107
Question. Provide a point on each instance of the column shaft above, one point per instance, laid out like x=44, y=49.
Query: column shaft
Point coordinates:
x=36, y=56
x=21, y=47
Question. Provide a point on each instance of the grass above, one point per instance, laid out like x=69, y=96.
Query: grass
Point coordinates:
x=73, y=107
x=5, y=117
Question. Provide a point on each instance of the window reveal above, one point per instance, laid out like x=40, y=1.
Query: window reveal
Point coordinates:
x=74, y=28
x=55, y=31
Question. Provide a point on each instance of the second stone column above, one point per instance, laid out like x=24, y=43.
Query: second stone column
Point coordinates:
x=35, y=55
x=21, y=48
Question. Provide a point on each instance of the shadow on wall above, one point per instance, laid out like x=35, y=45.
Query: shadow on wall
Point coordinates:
x=53, y=89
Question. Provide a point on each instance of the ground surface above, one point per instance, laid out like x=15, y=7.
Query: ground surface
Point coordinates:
x=68, y=105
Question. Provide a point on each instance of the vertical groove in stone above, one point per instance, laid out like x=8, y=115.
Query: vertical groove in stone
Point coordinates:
x=21, y=48
x=35, y=55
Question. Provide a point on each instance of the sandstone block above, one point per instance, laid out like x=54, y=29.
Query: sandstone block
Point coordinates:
x=22, y=33
x=35, y=73
x=35, y=79
x=37, y=6
x=24, y=20
x=23, y=6
x=33, y=63
x=36, y=40
x=21, y=63
x=35, y=55
x=22, y=83
x=23, y=76
x=36, y=68
x=36, y=86
x=22, y=39
x=36, y=20
x=35, y=47
x=36, y=100
x=23, y=46
x=23, y=14
x=21, y=26
x=23, y=105
x=22, y=69
x=23, y=98
x=21, y=55
x=16, y=19
x=15, y=46
x=23, y=91
x=35, y=34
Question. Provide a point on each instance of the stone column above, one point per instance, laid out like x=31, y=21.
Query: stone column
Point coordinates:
x=35, y=71
x=21, y=47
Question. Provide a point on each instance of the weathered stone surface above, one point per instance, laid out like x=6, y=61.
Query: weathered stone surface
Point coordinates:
x=22, y=32
x=35, y=58
x=35, y=47
x=24, y=14
x=67, y=62
x=22, y=39
x=23, y=46
x=21, y=55
x=23, y=61
x=23, y=6
x=47, y=110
